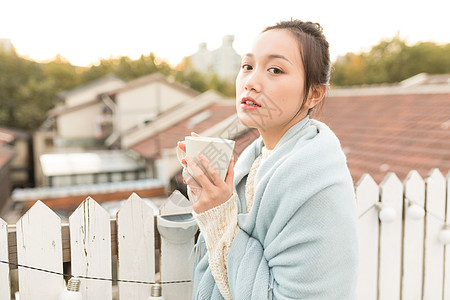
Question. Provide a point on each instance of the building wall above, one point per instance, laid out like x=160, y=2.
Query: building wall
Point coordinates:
x=137, y=105
x=80, y=123
x=201, y=60
x=90, y=93
x=223, y=61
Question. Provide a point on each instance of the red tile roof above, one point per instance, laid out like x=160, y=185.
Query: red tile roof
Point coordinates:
x=391, y=133
x=152, y=146
x=385, y=133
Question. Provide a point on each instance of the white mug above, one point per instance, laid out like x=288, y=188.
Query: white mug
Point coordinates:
x=217, y=150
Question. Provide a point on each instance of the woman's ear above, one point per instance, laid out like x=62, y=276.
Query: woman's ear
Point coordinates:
x=316, y=94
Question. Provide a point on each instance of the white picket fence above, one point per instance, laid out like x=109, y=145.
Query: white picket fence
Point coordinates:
x=39, y=245
x=403, y=254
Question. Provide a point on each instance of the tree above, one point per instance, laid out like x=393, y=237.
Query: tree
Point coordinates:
x=348, y=70
x=391, y=61
x=16, y=74
x=64, y=75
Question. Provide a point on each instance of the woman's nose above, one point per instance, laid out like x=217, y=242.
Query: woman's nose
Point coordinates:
x=253, y=82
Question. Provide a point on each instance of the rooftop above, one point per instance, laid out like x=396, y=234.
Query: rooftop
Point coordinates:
x=199, y=122
x=391, y=132
x=54, y=164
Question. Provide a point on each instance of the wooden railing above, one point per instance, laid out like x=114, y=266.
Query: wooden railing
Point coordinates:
x=403, y=231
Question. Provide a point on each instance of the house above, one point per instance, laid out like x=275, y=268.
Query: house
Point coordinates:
x=143, y=100
x=83, y=119
x=79, y=122
x=393, y=128
x=95, y=116
x=223, y=61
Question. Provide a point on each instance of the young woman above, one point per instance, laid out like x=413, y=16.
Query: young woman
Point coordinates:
x=282, y=225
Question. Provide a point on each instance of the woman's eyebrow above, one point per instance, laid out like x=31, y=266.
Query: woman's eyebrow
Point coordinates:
x=270, y=56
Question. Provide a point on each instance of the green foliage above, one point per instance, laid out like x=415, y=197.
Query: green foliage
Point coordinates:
x=391, y=61
x=28, y=90
x=62, y=73
x=16, y=74
x=126, y=68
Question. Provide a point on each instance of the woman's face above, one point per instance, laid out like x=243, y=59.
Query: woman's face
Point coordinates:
x=270, y=83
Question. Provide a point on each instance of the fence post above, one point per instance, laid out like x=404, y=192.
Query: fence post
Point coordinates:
x=391, y=240
x=413, y=238
x=4, y=268
x=90, y=243
x=39, y=245
x=367, y=196
x=136, y=248
x=447, y=247
x=434, y=249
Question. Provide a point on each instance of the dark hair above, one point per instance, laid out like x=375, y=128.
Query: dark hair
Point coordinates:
x=314, y=52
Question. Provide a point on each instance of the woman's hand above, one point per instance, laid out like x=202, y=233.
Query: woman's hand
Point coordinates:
x=210, y=190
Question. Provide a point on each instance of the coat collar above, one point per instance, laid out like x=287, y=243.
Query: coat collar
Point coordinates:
x=249, y=155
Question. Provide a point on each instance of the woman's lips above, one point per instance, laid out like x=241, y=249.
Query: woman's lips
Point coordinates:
x=248, y=103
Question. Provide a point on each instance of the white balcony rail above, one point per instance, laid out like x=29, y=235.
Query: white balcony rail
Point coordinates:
x=404, y=232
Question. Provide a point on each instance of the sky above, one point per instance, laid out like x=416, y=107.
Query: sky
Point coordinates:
x=84, y=31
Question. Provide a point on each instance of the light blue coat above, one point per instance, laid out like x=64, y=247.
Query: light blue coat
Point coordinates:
x=299, y=241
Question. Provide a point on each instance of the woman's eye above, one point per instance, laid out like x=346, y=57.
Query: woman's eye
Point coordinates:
x=247, y=67
x=275, y=71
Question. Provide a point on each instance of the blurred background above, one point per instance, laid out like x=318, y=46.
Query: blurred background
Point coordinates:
x=94, y=95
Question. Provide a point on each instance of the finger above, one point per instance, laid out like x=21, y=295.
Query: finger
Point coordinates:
x=210, y=169
x=194, y=194
x=203, y=180
x=182, y=146
x=230, y=173
x=194, y=134
x=189, y=180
